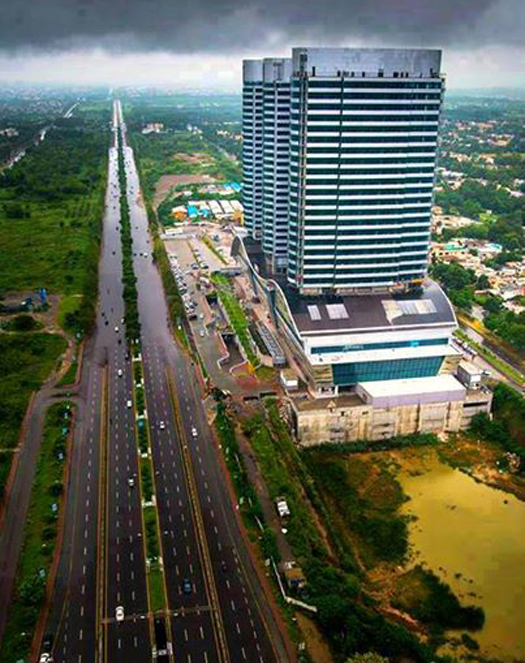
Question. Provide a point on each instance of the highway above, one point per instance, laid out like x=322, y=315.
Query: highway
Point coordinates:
x=226, y=617
x=102, y=561
x=216, y=608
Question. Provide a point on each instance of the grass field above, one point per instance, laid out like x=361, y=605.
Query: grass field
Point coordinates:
x=26, y=360
x=51, y=208
x=46, y=249
x=40, y=534
x=363, y=497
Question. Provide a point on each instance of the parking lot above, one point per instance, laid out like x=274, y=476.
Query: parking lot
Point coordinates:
x=192, y=263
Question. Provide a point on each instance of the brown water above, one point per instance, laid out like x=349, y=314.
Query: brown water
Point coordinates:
x=469, y=528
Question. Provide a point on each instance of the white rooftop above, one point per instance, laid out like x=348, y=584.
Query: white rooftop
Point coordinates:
x=413, y=386
x=470, y=368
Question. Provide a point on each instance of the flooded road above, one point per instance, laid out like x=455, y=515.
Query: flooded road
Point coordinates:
x=472, y=536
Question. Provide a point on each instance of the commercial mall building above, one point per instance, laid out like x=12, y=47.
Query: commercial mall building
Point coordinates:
x=339, y=162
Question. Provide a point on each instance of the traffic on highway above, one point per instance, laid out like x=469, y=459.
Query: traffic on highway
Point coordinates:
x=104, y=604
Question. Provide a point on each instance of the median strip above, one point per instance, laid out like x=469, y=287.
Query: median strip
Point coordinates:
x=128, y=274
x=151, y=526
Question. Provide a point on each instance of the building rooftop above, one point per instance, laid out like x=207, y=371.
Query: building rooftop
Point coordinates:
x=342, y=313
x=414, y=386
x=362, y=312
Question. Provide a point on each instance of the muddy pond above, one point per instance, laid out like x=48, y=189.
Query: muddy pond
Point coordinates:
x=473, y=537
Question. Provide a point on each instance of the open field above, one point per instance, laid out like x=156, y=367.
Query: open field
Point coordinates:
x=166, y=183
x=184, y=157
x=26, y=360
x=50, y=212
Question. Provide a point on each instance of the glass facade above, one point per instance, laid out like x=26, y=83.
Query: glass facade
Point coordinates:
x=362, y=155
x=394, y=369
x=378, y=346
x=337, y=151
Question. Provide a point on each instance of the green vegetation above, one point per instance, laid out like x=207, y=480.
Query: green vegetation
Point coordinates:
x=460, y=284
x=420, y=593
x=130, y=296
x=155, y=573
x=236, y=316
x=22, y=323
x=344, y=612
x=146, y=479
x=147, y=491
x=26, y=360
x=399, y=442
x=249, y=502
x=156, y=587
x=472, y=198
x=51, y=206
x=506, y=428
x=365, y=500
x=180, y=152
x=507, y=325
x=68, y=311
x=40, y=535
x=70, y=375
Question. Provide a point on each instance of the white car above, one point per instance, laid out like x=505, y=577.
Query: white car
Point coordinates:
x=45, y=658
x=119, y=613
x=131, y=482
x=116, y=329
x=119, y=372
x=162, y=425
x=194, y=431
x=129, y=403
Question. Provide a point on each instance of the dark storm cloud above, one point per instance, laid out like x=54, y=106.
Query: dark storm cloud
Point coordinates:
x=221, y=26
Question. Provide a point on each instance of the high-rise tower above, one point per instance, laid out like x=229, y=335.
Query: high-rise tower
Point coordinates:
x=362, y=155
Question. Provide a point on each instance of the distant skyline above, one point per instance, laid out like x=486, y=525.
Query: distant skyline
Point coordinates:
x=201, y=43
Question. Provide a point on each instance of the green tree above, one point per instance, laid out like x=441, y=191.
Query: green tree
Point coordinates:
x=369, y=657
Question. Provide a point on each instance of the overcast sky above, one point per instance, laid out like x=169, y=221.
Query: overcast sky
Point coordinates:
x=200, y=43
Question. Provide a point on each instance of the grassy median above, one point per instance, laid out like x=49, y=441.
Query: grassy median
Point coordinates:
x=40, y=535
x=155, y=572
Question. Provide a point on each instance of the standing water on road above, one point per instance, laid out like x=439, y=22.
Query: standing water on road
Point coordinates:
x=471, y=535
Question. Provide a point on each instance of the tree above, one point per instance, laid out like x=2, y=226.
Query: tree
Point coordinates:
x=369, y=657
x=483, y=282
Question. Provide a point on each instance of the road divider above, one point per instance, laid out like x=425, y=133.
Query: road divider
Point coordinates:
x=157, y=593
x=128, y=273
